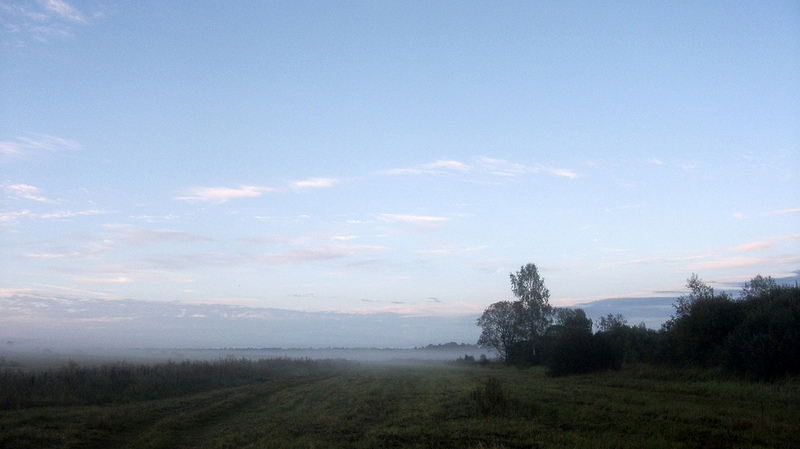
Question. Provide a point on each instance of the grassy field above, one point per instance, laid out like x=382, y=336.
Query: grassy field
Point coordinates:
x=431, y=405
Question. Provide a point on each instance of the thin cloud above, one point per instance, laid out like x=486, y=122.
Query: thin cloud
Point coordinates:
x=222, y=194
x=7, y=217
x=64, y=10
x=28, y=192
x=316, y=183
x=765, y=244
x=422, y=220
x=501, y=167
x=41, y=20
x=449, y=165
x=68, y=214
x=316, y=254
x=785, y=211
x=16, y=215
x=564, y=173
x=136, y=235
x=481, y=166
x=753, y=246
x=745, y=262
x=98, y=281
x=655, y=161
x=506, y=169
x=439, y=167
x=23, y=147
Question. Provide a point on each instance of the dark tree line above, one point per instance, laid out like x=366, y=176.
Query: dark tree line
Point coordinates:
x=756, y=334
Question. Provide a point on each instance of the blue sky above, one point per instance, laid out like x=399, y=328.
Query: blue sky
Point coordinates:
x=395, y=156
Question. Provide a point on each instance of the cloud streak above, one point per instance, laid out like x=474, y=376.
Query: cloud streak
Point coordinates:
x=482, y=166
x=222, y=194
x=419, y=220
x=22, y=147
x=27, y=192
x=785, y=211
x=765, y=244
x=315, y=183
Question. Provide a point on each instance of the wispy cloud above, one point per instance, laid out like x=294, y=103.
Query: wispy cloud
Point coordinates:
x=655, y=161
x=785, y=211
x=316, y=183
x=63, y=10
x=745, y=262
x=564, y=173
x=320, y=253
x=68, y=213
x=27, y=192
x=482, y=166
x=222, y=194
x=649, y=261
x=434, y=168
x=7, y=217
x=291, y=256
x=22, y=147
x=99, y=281
x=753, y=246
x=136, y=235
x=420, y=220
x=40, y=20
x=12, y=216
x=765, y=244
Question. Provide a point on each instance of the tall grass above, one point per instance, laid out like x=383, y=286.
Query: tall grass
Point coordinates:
x=120, y=382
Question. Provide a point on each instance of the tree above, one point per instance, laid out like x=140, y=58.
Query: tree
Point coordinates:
x=533, y=298
x=572, y=319
x=575, y=350
x=702, y=323
x=500, y=327
x=757, y=287
x=611, y=322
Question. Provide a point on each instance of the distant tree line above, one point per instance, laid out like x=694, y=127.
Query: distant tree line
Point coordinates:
x=756, y=335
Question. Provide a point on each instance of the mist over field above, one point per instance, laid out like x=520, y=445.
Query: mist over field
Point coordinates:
x=63, y=324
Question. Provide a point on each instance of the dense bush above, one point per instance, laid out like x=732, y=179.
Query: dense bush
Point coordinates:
x=766, y=344
x=757, y=335
x=578, y=352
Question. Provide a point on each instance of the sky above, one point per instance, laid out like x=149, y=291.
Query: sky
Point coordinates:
x=404, y=157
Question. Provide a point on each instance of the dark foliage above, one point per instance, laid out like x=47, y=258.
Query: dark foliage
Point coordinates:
x=766, y=344
x=757, y=335
x=577, y=351
x=637, y=343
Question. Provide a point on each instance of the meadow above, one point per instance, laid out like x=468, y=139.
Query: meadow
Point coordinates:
x=294, y=403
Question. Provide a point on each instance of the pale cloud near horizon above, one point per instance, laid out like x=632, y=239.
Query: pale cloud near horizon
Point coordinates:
x=745, y=262
x=765, y=244
x=222, y=194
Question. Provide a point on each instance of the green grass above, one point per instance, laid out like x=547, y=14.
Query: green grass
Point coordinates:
x=434, y=406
